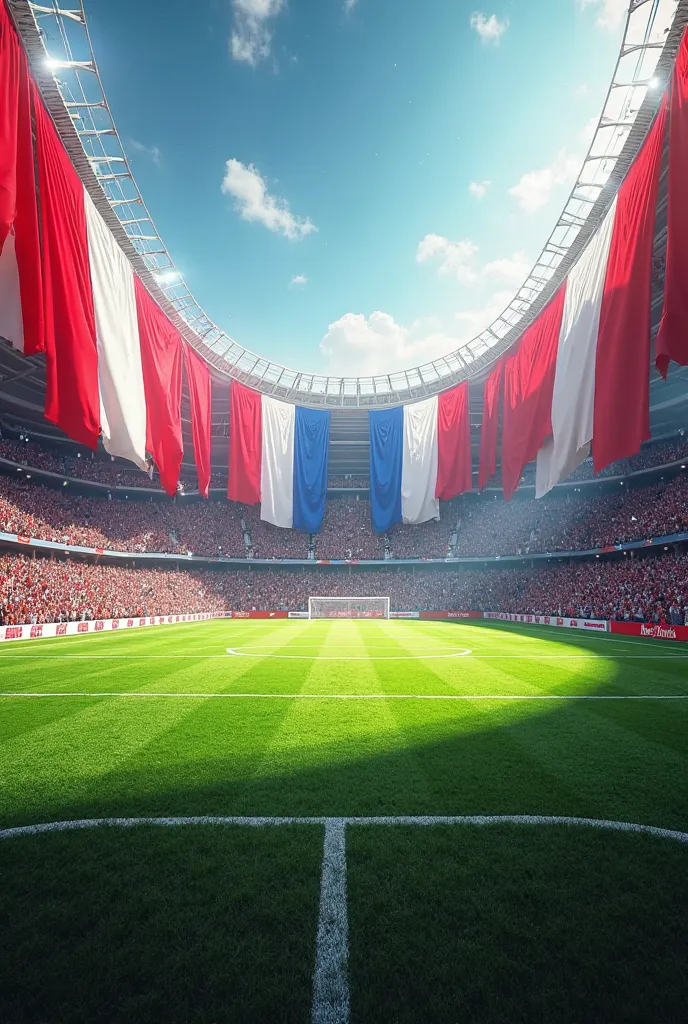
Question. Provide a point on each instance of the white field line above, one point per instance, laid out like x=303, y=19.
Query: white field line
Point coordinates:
x=331, y=1004
x=238, y=652
x=478, y=655
x=330, y=980
x=343, y=696
x=265, y=821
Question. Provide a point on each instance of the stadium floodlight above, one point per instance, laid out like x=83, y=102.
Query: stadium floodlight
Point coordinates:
x=348, y=607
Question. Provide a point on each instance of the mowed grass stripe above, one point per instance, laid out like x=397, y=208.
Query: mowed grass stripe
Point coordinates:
x=83, y=674
x=336, y=757
x=454, y=925
x=342, y=749
x=183, y=926
x=443, y=737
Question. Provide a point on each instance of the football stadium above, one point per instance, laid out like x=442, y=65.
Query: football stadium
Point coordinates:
x=343, y=698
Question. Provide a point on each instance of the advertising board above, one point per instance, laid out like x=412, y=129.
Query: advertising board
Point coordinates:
x=43, y=630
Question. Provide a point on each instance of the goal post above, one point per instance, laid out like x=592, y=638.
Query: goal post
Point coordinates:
x=348, y=607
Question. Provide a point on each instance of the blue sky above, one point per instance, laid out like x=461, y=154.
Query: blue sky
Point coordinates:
x=355, y=187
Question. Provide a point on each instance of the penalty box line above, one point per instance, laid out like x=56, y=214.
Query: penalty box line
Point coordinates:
x=331, y=1000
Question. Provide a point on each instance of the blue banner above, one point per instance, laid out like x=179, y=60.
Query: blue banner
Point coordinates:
x=386, y=439
x=311, y=447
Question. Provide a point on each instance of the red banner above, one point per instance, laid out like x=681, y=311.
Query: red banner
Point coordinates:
x=651, y=629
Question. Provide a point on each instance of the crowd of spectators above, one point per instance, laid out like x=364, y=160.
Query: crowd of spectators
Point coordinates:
x=98, y=470
x=572, y=522
x=649, y=589
x=268, y=541
x=428, y=540
x=347, y=531
x=211, y=528
x=660, y=453
x=488, y=527
x=349, y=480
x=43, y=590
x=640, y=589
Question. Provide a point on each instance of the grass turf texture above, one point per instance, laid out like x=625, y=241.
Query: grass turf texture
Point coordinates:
x=446, y=923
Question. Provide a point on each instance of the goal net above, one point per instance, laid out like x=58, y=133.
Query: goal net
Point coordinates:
x=348, y=607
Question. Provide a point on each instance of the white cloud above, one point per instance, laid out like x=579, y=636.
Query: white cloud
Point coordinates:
x=299, y=280
x=251, y=37
x=489, y=29
x=610, y=12
x=459, y=260
x=358, y=345
x=514, y=268
x=152, y=152
x=254, y=202
x=535, y=188
x=479, y=188
x=587, y=134
x=455, y=257
x=473, y=321
x=349, y=5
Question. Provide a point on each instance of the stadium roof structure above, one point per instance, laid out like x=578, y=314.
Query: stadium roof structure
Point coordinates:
x=64, y=65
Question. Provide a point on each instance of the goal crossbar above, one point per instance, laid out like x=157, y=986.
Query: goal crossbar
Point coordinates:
x=348, y=607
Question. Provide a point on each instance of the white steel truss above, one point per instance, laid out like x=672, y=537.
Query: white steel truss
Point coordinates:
x=61, y=54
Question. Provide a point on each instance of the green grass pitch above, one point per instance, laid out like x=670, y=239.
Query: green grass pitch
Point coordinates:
x=445, y=922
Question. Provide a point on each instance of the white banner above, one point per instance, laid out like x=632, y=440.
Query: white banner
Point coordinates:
x=597, y=625
x=404, y=615
x=41, y=631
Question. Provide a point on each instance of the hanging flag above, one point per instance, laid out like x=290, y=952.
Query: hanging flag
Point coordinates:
x=672, y=338
x=72, y=399
x=621, y=422
x=245, y=444
x=93, y=355
x=418, y=454
x=97, y=320
x=386, y=427
x=311, y=451
x=419, y=462
x=528, y=387
x=120, y=373
x=603, y=351
x=21, y=298
x=200, y=397
x=278, y=456
x=454, y=469
x=161, y=358
x=277, y=463
x=9, y=110
x=490, y=426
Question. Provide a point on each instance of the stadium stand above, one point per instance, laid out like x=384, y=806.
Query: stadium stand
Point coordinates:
x=27, y=453
x=211, y=529
x=572, y=522
x=347, y=532
x=488, y=527
x=44, y=590
x=104, y=470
